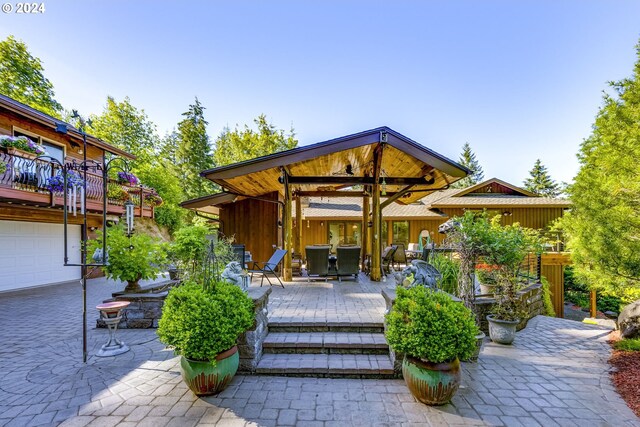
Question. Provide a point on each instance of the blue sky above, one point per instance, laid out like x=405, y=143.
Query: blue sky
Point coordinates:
x=518, y=80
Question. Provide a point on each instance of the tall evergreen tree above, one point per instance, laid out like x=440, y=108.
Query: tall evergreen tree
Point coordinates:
x=126, y=127
x=604, y=222
x=193, y=152
x=540, y=181
x=22, y=78
x=237, y=145
x=468, y=160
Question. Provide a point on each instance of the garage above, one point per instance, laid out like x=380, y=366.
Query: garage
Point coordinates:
x=32, y=254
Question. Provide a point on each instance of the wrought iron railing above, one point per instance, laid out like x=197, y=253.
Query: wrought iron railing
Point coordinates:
x=25, y=173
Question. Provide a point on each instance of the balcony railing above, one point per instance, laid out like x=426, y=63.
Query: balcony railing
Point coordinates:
x=25, y=179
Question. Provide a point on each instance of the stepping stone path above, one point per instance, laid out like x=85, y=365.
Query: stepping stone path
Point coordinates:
x=356, y=350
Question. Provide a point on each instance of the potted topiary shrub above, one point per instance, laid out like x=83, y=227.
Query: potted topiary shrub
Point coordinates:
x=131, y=258
x=202, y=325
x=434, y=333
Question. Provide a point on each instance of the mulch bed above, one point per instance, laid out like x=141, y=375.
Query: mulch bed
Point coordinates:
x=626, y=376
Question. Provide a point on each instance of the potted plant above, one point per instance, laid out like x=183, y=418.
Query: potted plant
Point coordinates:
x=55, y=183
x=486, y=275
x=202, y=325
x=21, y=146
x=507, y=246
x=127, y=178
x=434, y=333
x=116, y=192
x=130, y=258
x=3, y=167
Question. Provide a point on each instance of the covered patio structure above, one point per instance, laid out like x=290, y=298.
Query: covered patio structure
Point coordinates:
x=380, y=166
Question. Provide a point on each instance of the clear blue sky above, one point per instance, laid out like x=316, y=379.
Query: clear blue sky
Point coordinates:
x=518, y=80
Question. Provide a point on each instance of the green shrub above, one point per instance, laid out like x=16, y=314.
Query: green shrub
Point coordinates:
x=431, y=326
x=130, y=259
x=630, y=344
x=200, y=323
x=190, y=245
x=546, y=297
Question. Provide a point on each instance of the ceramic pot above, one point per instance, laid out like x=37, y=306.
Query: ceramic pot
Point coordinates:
x=431, y=383
x=502, y=331
x=204, y=379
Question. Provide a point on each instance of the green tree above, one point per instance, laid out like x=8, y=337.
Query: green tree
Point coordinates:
x=193, y=152
x=604, y=222
x=160, y=175
x=243, y=144
x=126, y=127
x=540, y=181
x=468, y=160
x=22, y=78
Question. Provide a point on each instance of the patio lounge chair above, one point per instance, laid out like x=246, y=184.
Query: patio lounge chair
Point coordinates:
x=387, y=258
x=269, y=267
x=348, y=261
x=400, y=256
x=317, y=261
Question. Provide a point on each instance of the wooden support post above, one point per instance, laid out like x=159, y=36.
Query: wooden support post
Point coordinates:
x=298, y=237
x=376, y=236
x=376, y=215
x=287, y=225
x=365, y=230
x=593, y=307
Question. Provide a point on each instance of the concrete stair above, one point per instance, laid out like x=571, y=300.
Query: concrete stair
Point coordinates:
x=326, y=350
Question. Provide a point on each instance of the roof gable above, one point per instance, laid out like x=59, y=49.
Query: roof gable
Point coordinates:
x=494, y=186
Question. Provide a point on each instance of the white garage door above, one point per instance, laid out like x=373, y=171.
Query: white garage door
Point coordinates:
x=32, y=254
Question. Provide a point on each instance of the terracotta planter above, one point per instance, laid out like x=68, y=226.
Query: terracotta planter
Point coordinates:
x=431, y=383
x=133, y=287
x=502, y=331
x=21, y=153
x=204, y=379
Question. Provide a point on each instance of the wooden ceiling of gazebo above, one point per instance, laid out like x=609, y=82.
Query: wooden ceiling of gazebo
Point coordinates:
x=402, y=166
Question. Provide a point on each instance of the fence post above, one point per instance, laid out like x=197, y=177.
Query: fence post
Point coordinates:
x=539, y=267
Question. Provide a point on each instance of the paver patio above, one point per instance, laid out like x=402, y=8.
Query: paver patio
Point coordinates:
x=555, y=373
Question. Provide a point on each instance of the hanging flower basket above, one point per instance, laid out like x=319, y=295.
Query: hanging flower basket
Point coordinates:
x=127, y=178
x=55, y=184
x=152, y=200
x=116, y=192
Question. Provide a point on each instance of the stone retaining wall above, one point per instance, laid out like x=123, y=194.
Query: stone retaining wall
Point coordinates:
x=250, y=343
x=530, y=298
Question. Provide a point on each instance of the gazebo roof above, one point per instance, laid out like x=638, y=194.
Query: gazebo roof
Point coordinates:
x=328, y=166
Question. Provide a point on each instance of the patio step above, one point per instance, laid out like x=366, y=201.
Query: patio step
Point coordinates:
x=325, y=343
x=359, y=327
x=326, y=365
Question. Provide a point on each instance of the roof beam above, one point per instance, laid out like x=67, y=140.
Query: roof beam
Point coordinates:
x=396, y=196
x=359, y=180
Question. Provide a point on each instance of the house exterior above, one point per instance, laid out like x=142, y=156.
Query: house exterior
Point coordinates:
x=339, y=220
x=31, y=216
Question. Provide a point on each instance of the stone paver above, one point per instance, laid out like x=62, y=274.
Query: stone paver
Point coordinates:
x=555, y=373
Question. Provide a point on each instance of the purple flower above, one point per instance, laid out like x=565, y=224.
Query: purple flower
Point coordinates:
x=126, y=177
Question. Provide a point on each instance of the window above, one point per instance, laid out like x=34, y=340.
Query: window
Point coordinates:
x=401, y=232
x=344, y=233
x=54, y=150
x=385, y=232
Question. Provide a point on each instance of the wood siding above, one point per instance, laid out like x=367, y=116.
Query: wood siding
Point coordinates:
x=253, y=223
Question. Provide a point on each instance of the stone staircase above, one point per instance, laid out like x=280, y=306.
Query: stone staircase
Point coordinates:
x=353, y=350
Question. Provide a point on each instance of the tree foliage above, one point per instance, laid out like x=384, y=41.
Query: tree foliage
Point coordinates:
x=243, y=144
x=540, y=181
x=123, y=125
x=604, y=223
x=468, y=160
x=22, y=78
x=193, y=152
x=158, y=175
